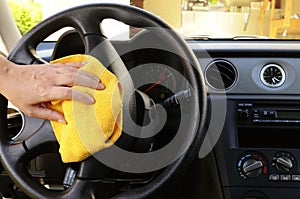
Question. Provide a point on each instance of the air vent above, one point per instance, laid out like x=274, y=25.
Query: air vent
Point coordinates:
x=14, y=121
x=220, y=75
x=272, y=75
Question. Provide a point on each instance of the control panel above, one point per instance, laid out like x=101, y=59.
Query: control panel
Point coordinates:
x=249, y=113
x=259, y=149
x=269, y=132
x=283, y=167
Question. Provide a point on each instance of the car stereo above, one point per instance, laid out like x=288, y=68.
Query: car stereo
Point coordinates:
x=249, y=113
x=268, y=125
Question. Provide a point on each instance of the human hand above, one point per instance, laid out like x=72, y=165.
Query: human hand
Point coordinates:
x=29, y=86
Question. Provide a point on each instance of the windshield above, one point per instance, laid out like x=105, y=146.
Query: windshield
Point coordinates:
x=203, y=19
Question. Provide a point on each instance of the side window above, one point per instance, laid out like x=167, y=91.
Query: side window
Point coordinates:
x=26, y=14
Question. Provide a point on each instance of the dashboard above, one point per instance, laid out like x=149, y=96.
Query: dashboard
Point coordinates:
x=257, y=151
x=252, y=148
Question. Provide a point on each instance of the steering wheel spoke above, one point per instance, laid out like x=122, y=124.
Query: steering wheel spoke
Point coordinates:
x=42, y=141
x=24, y=56
x=18, y=150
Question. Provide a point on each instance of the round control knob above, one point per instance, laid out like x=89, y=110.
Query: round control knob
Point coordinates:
x=283, y=162
x=252, y=168
x=251, y=164
x=244, y=114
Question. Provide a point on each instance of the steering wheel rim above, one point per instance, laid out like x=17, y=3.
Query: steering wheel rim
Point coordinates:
x=86, y=20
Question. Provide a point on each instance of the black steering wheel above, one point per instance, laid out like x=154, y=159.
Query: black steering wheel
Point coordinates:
x=86, y=20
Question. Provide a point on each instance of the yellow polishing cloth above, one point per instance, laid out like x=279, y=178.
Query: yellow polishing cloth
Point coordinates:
x=89, y=128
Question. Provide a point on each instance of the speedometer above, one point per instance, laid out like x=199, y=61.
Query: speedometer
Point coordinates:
x=158, y=81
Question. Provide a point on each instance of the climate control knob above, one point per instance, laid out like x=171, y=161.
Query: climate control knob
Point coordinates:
x=252, y=168
x=283, y=161
x=251, y=165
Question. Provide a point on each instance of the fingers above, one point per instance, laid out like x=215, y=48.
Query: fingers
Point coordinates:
x=69, y=64
x=45, y=113
x=67, y=93
x=80, y=78
x=82, y=97
x=57, y=84
x=88, y=80
x=60, y=93
x=70, y=75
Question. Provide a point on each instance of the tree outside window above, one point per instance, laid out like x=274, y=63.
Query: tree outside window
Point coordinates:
x=26, y=14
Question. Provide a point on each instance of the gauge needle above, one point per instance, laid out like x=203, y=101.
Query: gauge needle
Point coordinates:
x=161, y=78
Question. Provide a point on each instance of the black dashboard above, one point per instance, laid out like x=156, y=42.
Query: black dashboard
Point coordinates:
x=252, y=147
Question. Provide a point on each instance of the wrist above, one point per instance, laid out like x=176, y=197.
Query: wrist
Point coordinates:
x=6, y=73
x=5, y=65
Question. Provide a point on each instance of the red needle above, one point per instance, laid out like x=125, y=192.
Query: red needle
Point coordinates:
x=152, y=86
x=161, y=78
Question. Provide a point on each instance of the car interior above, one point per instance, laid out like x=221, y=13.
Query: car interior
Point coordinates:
x=226, y=113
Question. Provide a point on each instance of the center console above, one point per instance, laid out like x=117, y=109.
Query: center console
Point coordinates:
x=258, y=153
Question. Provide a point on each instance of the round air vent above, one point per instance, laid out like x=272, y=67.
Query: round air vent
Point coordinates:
x=272, y=75
x=220, y=74
x=15, y=121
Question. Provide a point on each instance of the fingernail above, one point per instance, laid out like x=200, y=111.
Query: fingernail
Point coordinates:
x=95, y=78
x=91, y=100
x=100, y=86
x=83, y=63
x=62, y=121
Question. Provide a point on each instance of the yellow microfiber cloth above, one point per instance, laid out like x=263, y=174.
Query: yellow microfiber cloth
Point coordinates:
x=89, y=128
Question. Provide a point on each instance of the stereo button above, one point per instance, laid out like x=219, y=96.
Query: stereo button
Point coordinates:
x=244, y=114
x=265, y=113
x=272, y=114
x=255, y=114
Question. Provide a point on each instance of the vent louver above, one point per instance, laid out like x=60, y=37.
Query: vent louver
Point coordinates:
x=14, y=122
x=220, y=75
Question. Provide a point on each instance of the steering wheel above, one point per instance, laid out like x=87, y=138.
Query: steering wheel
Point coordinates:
x=86, y=20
